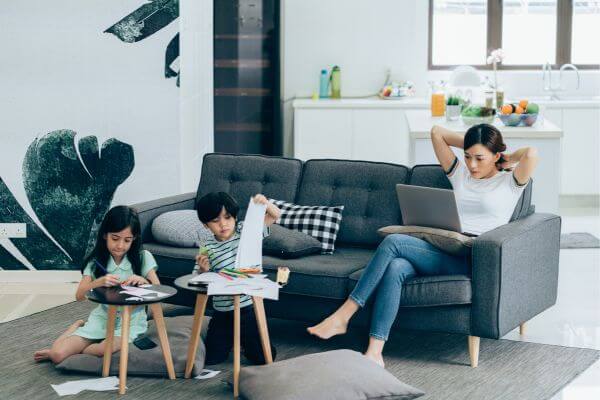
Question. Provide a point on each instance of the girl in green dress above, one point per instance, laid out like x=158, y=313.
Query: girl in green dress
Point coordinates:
x=121, y=261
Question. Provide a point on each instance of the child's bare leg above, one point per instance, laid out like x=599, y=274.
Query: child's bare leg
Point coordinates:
x=97, y=349
x=44, y=354
x=336, y=323
x=64, y=348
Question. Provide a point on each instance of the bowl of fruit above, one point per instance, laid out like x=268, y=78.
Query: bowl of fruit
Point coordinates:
x=523, y=113
x=473, y=115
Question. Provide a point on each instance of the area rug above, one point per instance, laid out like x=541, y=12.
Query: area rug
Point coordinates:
x=579, y=240
x=435, y=363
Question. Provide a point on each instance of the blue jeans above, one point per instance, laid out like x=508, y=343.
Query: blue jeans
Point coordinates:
x=398, y=258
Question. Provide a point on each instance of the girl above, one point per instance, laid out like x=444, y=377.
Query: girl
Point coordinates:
x=121, y=261
x=486, y=195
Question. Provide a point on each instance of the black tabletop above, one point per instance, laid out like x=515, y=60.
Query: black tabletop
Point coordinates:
x=182, y=282
x=112, y=295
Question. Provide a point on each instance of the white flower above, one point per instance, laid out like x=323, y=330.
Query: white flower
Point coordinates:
x=496, y=56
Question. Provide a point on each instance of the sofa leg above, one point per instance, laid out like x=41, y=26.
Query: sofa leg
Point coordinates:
x=474, y=350
x=522, y=329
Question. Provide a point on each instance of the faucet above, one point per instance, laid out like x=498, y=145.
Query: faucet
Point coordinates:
x=549, y=87
x=564, y=67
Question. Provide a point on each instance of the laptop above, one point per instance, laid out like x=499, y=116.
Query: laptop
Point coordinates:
x=425, y=206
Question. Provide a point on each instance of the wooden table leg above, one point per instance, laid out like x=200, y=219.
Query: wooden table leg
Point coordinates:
x=125, y=321
x=164, y=340
x=261, y=320
x=236, y=346
x=108, y=343
x=201, y=300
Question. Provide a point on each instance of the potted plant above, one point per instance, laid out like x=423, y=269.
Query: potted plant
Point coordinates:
x=453, y=108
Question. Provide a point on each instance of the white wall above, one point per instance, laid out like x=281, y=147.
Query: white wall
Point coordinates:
x=366, y=38
x=60, y=71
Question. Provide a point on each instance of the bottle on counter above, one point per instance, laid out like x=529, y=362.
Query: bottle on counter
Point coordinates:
x=438, y=100
x=324, y=84
x=336, y=83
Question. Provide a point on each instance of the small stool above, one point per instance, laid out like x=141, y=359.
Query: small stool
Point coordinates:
x=111, y=297
x=200, y=308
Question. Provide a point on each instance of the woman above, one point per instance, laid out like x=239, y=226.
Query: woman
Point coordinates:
x=486, y=190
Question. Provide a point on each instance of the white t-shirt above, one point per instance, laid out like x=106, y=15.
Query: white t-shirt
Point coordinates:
x=484, y=204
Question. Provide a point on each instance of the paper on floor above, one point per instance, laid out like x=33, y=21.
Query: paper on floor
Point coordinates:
x=207, y=374
x=98, y=385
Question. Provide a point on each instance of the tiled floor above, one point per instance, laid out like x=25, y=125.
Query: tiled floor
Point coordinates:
x=573, y=321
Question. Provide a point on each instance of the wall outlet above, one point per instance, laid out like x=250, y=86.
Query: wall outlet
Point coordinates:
x=13, y=231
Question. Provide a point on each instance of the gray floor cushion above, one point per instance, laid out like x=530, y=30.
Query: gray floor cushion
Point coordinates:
x=148, y=362
x=332, y=375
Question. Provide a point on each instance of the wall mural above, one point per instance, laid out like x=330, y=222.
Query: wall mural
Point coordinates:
x=146, y=21
x=70, y=187
x=70, y=183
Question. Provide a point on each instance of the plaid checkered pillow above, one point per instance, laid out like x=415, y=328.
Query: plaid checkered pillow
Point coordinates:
x=320, y=222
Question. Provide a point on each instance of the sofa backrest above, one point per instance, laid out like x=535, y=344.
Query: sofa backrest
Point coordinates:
x=242, y=176
x=367, y=190
x=434, y=176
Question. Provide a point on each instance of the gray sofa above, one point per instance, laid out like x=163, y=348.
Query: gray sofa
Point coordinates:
x=514, y=267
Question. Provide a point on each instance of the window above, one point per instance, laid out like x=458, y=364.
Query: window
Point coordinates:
x=586, y=31
x=531, y=32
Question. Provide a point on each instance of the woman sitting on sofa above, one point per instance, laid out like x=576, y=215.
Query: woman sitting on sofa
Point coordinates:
x=486, y=188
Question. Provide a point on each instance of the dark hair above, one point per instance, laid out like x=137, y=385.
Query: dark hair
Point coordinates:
x=209, y=206
x=115, y=220
x=488, y=136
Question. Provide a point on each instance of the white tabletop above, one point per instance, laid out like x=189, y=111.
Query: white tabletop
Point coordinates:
x=420, y=123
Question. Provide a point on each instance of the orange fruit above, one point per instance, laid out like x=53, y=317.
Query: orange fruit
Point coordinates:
x=523, y=104
x=519, y=110
x=507, y=109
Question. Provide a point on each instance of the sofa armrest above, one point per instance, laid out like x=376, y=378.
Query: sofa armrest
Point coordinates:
x=515, y=274
x=149, y=210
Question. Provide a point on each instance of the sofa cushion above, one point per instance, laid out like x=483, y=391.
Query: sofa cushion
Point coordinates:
x=173, y=262
x=180, y=228
x=450, y=242
x=320, y=222
x=429, y=291
x=434, y=176
x=243, y=176
x=367, y=190
x=332, y=375
x=321, y=275
x=288, y=243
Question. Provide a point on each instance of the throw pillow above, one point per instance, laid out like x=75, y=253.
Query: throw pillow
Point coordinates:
x=333, y=375
x=288, y=243
x=454, y=243
x=320, y=222
x=180, y=228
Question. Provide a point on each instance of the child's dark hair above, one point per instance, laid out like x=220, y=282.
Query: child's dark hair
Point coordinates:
x=488, y=136
x=115, y=220
x=209, y=206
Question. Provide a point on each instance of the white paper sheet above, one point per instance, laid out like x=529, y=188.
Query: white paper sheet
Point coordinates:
x=208, y=277
x=249, y=253
x=207, y=374
x=141, y=292
x=264, y=288
x=99, y=385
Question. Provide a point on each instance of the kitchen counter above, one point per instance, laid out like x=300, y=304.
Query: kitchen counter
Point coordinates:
x=423, y=102
x=421, y=121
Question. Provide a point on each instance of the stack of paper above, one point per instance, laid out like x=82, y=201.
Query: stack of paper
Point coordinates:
x=260, y=287
x=139, y=293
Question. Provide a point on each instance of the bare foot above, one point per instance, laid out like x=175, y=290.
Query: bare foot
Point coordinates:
x=377, y=358
x=41, y=355
x=329, y=327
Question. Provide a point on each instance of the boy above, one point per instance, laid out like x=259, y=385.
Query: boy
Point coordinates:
x=218, y=212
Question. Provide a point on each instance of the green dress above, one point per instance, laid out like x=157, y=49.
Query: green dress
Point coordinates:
x=95, y=326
